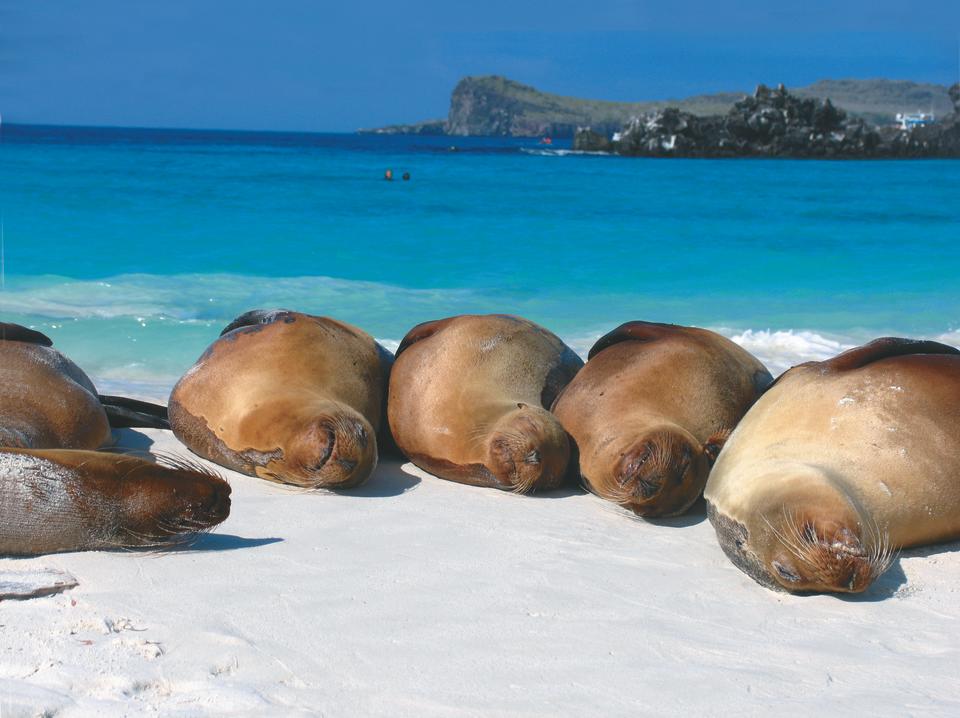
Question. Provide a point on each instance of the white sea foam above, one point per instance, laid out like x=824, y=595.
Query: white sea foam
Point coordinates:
x=777, y=349
x=781, y=349
x=204, y=298
x=952, y=338
x=545, y=152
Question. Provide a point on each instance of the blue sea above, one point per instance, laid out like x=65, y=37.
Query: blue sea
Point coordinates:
x=132, y=248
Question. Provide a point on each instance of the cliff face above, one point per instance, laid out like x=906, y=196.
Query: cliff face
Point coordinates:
x=496, y=106
x=776, y=123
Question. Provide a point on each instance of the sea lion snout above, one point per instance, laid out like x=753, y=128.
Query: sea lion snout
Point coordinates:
x=156, y=503
x=336, y=450
x=660, y=474
x=824, y=555
x=216, y=507
x=528, y=450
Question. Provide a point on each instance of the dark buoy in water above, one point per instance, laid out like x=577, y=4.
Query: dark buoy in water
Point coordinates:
x=388, y=175
x=406, y=177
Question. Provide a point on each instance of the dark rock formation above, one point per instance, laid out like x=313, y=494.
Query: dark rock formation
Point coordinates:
x=586, y=140
x=774, y=123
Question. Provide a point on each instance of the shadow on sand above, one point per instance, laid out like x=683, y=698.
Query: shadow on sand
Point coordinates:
x=694, y=515
x=131, y=440
x=224, y=542
x=894, y=579
x=388, y=480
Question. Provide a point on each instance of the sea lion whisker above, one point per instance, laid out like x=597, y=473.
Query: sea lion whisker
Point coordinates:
x=186, y=463
x=796, y=550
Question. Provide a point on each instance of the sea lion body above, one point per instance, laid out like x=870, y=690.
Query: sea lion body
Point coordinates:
x=46, y=401
x=840, y=463
x=74, y=500
x=287, y=397
x=651, y=409
x=468, y=401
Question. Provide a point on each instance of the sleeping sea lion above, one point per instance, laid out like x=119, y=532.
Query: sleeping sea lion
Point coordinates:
x=55, y=495
x=288, y=397
x=840, y=463
x=74, y=500
x=468, y=401
x=651, y=409
x=47, y=402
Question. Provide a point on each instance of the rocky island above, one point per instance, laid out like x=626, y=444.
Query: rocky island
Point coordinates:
x=497, y=106
x=775, y=123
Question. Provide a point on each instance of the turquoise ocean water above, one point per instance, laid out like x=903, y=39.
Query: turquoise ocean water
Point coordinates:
x=132, y=248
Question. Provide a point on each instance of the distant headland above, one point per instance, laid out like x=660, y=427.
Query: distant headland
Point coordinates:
x=497, y=106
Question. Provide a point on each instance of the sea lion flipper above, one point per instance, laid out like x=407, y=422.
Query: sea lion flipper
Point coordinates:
x=123, y=412
x=714, y=444
x=422, y=331
x=634, y=331
x=258, y=316
x=17, y=333
x=884, y=348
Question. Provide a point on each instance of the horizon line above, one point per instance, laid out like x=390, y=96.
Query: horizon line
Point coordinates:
x=177, y=129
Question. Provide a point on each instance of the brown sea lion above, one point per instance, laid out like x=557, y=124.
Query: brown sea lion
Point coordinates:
x=840, y=463
x=651, y=409
x=74, y=500
x=57, y=496
x=468, y=398
x=287, y=397
x=47, y=402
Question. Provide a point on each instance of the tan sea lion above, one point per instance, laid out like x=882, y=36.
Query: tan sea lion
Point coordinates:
x=74, y=500
x=288, y=397
x=468, y=398
x=651, y=409
x=47, y=402
x=840, y=463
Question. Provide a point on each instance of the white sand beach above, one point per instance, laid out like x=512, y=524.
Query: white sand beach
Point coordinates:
x=414, y=596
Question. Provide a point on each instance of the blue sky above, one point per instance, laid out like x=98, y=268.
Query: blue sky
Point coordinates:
x=315, y=65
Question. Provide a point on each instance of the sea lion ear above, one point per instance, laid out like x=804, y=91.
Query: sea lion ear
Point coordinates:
x=17, y=333
x=421, y=332
x=882, y=349
x=634, y=331
x=713, y=445
x=259, y=316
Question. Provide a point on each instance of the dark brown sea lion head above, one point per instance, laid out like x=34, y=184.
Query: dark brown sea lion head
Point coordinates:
x=158, y=502
x=528, y=450
x=660, y=473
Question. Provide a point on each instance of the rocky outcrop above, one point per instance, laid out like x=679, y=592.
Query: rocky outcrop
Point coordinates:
x=586, y=140
x=498, y=107
x=775, y=123
x=430, y=127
